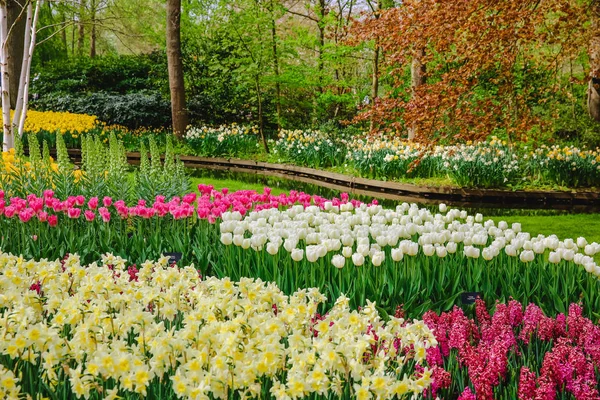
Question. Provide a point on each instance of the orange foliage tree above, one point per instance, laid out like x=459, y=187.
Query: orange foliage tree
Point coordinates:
x=472, y=63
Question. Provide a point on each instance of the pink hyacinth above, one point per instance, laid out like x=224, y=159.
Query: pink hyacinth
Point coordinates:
x=467, y=395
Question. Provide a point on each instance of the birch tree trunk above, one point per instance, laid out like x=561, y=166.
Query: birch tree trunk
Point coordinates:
x=417, y=74
x=593, y=94
x=8, y=141
x=175, y=67
x=25, y=83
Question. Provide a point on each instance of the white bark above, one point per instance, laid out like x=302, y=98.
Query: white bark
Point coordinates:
x=26, y=42
x=25, y=84
x=4, y=81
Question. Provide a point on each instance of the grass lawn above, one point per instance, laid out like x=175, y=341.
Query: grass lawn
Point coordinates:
x=563, y=226
x=232, y=184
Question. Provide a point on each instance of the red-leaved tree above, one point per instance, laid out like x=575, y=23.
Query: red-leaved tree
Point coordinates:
x=471, y=63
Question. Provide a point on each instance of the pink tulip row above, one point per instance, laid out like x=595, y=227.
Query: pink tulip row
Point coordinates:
x=208, y=204
x=484, y=348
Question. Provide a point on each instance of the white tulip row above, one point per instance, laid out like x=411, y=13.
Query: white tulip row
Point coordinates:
x=358, y=233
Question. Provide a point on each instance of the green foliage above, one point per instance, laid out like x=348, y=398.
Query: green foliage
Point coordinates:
x=157, y=178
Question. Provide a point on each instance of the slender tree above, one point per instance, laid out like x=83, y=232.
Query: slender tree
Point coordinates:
x=593, y=94
x=16, y=21
x=175, y=66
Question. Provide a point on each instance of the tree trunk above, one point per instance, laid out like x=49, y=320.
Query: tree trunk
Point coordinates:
x=417, y=75
x=16, y=19
x=375, y=78
x=30, y=46
x=593, y=95
x=63, y=19
x=21, y=84
x=276, y=68
x=374, y=82
x=81, y=38
x=8, y=141
x=93, y=33
x=175, y=66
x=320, y=50
x=261, y=124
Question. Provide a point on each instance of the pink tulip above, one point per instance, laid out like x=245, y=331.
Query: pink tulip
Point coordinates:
x=104, y=213
x=52, y=220
x=42, y=216
x=89, y=215
x=93, y=203
x=107, y=201
x=73, y=213
x=25, y=215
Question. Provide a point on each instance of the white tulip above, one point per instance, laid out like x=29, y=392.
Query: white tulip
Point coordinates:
x=297, y=254
x=226, y=238
x=526, y=256
x=378, y=258
x=238, y=239
x=363, y=249
x=413, y=249
x=272, y=248
x=321, y=250
x=503, y=225
x=568, y=254
x=347, y=252
x=397, y=255
x=443, y=208
x=428, y=250
x=487, y=253
x=590, y=250
x=539, y=248
x=441, y=251
x=516, y=227
x=358, y=259
x=554, y=257
x=338, y=261
x=471, y=252
x=581, y=242
x=246, y=243
x=451, y=247
x=347, y=240
x=312, y=254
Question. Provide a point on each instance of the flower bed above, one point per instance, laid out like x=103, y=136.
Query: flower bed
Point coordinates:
x=514, y=353
x=163, y=331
